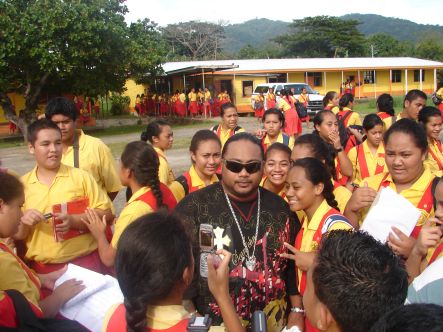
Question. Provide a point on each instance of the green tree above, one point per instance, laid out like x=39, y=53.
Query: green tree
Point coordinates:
x=322, y=36
x=384, y=45
x=78, y=46
x=430, y=47
x=148, y=51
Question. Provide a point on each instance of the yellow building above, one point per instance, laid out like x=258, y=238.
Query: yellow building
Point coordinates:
x=369, y=77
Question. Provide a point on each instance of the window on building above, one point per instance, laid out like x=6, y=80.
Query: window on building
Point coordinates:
x=315, y=78
x=417, y=75
x=247, y=88
x=369, y=77
x=396, y=76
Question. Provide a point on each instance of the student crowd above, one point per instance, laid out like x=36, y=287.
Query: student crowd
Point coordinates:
x=261, y=221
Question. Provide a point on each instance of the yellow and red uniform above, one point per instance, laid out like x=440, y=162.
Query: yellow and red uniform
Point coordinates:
x=342, y=195
x=389, y=121
x=95, y=158
x=435, y=253
x=434, y=160
x=352, y=119
x=282, y=193
x=68, y=185
x=141, y=202
x=304, y=99
x=225, y=134
x=169, y=318
x=270, y=100
x=260, y=108
x=193, y=106
x=17, y=275
x=281, y=138
x=193, y=181
x=324, y=220
x=165, y=173
x=364, y=163
x=419, y=194
x=332, y=108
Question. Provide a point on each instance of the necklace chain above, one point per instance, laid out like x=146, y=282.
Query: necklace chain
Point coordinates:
x=250, y=257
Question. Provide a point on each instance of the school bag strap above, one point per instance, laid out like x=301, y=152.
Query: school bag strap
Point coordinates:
x=75, y=148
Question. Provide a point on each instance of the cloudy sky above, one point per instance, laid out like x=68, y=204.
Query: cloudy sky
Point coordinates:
x=165, y=12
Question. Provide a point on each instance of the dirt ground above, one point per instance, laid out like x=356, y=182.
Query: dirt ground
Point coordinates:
x=20, y=161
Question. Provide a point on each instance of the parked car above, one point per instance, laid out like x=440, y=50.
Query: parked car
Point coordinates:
x=315, y=99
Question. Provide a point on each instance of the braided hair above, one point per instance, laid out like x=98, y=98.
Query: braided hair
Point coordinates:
x=141, y=158
x=316, y=172
x=152, y=254
x=320, y=150
x=345, y=100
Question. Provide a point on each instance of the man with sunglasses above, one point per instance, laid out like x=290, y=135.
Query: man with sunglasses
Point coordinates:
x=252, y=223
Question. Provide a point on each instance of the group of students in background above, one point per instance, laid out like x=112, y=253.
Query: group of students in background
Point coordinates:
x=195, y=103
x=326, y=179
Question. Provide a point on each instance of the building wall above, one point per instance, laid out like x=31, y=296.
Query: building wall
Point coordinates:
x=133, y=89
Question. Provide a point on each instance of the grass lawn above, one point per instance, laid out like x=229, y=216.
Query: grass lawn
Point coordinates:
x=366, y=106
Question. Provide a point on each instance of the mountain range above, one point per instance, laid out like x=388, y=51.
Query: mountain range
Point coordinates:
x=259, y=32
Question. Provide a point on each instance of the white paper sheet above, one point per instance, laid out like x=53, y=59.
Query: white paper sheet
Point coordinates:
x=390, y=209
x=90, y=306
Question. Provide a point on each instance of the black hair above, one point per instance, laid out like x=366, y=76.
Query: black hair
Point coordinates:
x=319, y=117
x=371, y=120
x=153, y=129
x=413, y=95
x=225, y=106
x=411, y=318
x=411, y=128
x=320, y=150
x=426, y=113
x=203, y=136
x=277, y=146
x=277, y=112
x=61, y=105
x=328, y=97
x=143, y=161
x=35, y=127
x=284, y=92
x=243, y=137
x=358, y=279
x=317, y=172
x=152, y=254
x=345, y=100
x=385, y=103
x=10, y=187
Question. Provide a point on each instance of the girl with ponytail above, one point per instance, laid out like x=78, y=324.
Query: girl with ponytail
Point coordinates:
x=309, y=189
x=155, y=266
x=139, y=165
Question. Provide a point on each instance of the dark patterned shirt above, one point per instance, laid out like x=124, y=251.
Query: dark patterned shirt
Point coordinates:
x=266, y=287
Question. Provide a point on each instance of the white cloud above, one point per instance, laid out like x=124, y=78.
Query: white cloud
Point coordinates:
x=165, y=12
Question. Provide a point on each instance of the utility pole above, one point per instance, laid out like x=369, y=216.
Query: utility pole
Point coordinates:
x=372, y=50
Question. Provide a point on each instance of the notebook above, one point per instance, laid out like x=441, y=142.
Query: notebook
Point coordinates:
x=74, y=207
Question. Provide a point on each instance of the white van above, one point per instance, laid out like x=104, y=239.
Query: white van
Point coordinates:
x=315, y=99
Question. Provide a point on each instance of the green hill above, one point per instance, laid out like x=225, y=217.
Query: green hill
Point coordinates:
x=259, y=32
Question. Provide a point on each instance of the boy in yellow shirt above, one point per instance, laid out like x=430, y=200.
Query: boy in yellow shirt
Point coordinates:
x=83, y=151
x=51, y=183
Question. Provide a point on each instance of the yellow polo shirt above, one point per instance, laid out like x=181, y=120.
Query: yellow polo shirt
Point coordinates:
x=182, y=97
x=334, y=109
x=133, y=210
x=207, y=96
x=310, y=228
x=371, y=161
x=178, y=190
x=96, y=159
x=267, y=141
x=192, y=96
x=342, y=196
x=430, y=162
x=388, y=121
x=225, y=134
x=14, y=277
x=69, y=184
x=165, y=173
x=413, y=194
x=432, y=250
x=353, y=119
x=282, y=193
x=284, y=105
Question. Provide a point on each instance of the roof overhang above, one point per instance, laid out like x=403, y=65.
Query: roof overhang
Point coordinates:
x=199, y=69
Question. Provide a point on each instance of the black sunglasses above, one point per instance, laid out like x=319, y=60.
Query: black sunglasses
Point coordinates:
x=236, y=167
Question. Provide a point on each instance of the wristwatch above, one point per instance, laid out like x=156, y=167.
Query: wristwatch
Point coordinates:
x=340, y=149
x=298, y=310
